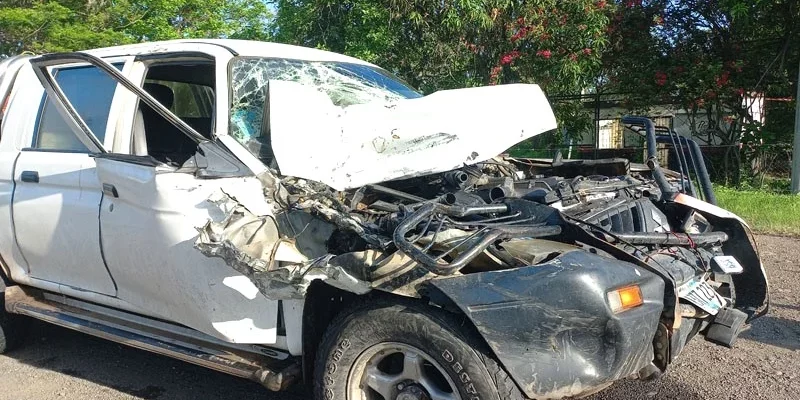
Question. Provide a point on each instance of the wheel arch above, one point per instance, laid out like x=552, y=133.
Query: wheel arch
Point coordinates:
x=323, y=303
x=5, y=275
x=4, y=280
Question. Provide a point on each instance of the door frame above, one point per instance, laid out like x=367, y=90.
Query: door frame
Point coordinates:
x=218, y=158
x=215, y=157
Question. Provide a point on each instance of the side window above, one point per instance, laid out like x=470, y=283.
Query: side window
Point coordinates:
x=90, y=91
x=187, y=90
x=191, y=100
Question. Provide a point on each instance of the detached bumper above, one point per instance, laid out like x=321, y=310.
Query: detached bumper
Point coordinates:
x=551, y=327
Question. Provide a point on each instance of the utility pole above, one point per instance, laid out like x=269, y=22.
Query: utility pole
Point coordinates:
x=796, y=146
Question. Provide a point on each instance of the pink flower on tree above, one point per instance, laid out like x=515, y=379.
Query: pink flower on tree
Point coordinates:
x=546, y=54
x=494, y=74
x=520, y=33
x=661, y=78
x=509, y=57
x=723, y=79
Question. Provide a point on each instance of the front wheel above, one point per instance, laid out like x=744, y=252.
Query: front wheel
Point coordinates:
x=12, y=328
x=405, y=350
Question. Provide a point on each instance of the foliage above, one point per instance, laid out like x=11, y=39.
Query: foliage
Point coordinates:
x=446, y=44
x=765, y=212
x=712, y=58
x=67, y=25
x=708, y=57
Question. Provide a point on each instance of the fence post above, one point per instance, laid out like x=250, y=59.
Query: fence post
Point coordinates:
x=796, y=146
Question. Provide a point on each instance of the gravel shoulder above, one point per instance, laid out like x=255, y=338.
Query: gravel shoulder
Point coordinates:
x=57, y=363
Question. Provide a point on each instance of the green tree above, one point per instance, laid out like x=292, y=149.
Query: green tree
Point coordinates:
x=708, y=57
x=458, y=43
x=435, y=44
x=65, y=25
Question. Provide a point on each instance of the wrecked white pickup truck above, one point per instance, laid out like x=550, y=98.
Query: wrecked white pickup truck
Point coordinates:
x=281, y=213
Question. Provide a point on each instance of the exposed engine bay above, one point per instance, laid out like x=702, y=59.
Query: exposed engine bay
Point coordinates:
x=485, y=216
x=499, y=214
x=564, y=226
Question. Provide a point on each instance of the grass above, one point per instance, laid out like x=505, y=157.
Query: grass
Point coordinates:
x=765, y=212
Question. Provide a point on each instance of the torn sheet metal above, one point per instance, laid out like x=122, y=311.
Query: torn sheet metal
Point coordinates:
x=390, y=272
x=351, y=146
x=251, y=245
x=284, y=267
x=322, y=202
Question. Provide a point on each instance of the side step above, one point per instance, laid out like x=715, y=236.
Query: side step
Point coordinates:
x=272, y=368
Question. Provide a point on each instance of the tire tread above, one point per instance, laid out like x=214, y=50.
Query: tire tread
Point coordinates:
x=457, y=325
x=12, y=329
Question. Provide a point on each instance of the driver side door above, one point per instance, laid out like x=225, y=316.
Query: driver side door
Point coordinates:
x=150, y=213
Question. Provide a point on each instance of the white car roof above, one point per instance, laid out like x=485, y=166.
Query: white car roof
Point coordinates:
x=241, y=47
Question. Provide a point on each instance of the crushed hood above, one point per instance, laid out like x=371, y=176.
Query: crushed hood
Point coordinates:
x=352, y=146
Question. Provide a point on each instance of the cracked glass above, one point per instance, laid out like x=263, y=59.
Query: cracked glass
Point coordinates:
x=345, y=83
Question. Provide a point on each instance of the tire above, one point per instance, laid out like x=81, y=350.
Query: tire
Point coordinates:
x=394, y=337
x=12, y=328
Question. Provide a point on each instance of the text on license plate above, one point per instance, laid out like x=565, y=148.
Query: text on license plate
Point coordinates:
x=701, y=294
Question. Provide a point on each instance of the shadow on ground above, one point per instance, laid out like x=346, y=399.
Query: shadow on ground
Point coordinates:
x=152, y=377
x=775, y=331
x=131, y=371
x=664, y=388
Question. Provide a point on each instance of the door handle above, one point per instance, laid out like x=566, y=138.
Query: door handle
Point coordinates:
x=30, y=176
x=110, y=190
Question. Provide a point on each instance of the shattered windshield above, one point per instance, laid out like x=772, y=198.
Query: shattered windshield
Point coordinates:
x=345, y=83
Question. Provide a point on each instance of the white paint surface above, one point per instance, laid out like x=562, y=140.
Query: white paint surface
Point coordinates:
x=148, y=236
x=55, y=220
x=243, y=285
x=348, y=147
x=241, y=47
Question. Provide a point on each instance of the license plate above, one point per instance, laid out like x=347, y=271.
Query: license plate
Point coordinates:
x=728, y=264
x=701, y=294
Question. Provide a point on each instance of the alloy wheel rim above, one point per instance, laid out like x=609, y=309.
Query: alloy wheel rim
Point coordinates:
x=398, y=371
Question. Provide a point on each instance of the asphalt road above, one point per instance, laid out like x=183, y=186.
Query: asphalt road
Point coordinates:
x=765, y=364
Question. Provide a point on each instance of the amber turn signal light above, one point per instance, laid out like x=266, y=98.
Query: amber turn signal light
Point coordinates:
x=625, y=298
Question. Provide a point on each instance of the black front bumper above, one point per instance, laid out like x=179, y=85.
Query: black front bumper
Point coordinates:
x=551, y=327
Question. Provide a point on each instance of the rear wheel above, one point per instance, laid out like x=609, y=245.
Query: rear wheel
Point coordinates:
x=390, y=350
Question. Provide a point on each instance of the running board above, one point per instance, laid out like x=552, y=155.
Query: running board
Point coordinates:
x=271, y=368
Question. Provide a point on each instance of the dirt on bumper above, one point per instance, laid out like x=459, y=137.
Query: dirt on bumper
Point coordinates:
x=551, y=327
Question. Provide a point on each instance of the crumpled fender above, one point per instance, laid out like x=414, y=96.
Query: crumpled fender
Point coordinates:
x=752, y=285
x=550, y=325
